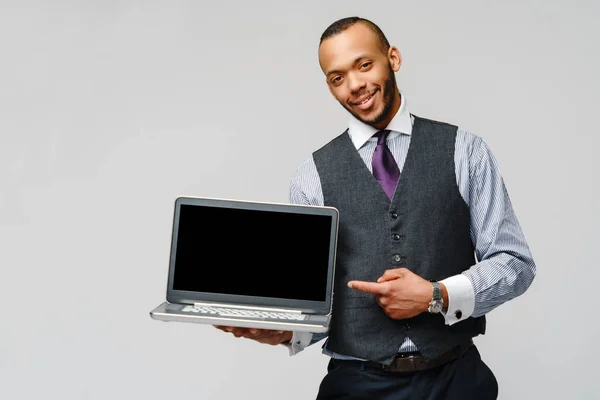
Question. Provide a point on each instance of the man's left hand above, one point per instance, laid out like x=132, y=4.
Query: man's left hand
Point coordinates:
x=400, y=292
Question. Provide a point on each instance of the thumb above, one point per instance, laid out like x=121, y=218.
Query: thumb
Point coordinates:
x=390, y=275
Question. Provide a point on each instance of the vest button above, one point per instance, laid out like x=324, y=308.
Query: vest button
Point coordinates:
x=394, y=215
x=395, y=236
x=397, y=258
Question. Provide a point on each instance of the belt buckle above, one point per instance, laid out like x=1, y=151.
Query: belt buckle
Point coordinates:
x=411, y=360
x=404, y=364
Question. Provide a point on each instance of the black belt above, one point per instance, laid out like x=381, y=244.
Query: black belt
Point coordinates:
x=416, y=362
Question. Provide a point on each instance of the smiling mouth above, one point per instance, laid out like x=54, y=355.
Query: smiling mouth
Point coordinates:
x=365, y=100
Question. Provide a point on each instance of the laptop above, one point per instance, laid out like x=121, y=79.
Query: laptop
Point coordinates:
x=251, y=264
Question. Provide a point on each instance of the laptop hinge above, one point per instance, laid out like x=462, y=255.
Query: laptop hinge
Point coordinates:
x=269, y=309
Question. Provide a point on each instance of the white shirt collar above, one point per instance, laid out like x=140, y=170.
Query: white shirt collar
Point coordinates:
x=360, y=132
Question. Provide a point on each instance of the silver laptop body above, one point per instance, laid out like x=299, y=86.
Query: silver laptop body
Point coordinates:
x=251, y=264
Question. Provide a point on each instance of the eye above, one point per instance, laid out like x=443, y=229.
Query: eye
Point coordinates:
x=337, y=79
x=366, y=64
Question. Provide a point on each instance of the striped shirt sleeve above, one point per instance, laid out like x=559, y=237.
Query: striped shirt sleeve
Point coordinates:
x=505, y=267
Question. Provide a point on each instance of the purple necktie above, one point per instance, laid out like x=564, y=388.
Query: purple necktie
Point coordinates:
x=385, y=168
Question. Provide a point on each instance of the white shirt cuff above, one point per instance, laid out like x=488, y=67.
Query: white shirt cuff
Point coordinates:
x=461, y=299
x=299, y=341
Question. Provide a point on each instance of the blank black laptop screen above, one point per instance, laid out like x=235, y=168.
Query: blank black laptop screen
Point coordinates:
x=252, y=253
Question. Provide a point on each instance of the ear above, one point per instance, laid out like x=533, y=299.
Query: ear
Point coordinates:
x=395, y=58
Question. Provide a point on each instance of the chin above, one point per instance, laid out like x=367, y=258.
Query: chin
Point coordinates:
x=373, y=117
x=370, y=118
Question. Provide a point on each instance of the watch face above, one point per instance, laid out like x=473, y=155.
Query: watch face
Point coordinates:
x=436, y=306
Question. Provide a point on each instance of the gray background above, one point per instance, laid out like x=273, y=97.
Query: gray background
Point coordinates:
x=111, y=109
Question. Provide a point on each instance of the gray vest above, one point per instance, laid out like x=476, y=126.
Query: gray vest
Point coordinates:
x=425, y=228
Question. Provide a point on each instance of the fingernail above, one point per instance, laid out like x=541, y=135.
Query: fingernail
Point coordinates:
x=350, y=285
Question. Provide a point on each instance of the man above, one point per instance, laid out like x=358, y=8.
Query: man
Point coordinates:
x=418, y=200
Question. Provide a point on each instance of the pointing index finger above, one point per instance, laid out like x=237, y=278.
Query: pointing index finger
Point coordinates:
x=367, y=287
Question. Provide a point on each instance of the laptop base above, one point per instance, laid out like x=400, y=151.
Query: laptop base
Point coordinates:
x=169, y=312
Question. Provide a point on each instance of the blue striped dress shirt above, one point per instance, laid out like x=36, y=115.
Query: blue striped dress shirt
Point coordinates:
x=504, y=267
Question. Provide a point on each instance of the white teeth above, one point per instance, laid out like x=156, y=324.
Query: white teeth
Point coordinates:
x=365, y=100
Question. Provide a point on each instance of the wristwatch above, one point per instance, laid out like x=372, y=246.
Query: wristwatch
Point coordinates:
x=437, y=302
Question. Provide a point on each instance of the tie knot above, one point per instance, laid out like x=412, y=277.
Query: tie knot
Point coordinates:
x=382, y=136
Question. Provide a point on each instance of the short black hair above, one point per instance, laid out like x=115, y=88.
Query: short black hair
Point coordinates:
x=341, y=25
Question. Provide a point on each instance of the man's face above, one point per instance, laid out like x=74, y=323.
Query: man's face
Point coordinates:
x=360, y=75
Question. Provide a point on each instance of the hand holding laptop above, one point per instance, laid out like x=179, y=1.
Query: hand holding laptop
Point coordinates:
x=264, y=336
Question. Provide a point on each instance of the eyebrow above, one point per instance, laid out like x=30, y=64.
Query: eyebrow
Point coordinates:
x=356, y=60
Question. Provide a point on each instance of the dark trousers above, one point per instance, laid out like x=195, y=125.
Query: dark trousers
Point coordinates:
x=466, y=378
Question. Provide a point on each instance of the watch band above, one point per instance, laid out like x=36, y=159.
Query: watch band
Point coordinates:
x=437, y=302
x=437, y=291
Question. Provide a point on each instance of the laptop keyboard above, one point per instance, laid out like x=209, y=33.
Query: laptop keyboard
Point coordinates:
x=236, y=312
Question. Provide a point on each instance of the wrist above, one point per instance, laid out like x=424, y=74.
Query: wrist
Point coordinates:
x=287, y=337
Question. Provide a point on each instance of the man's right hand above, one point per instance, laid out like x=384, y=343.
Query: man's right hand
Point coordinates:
x=265, y=336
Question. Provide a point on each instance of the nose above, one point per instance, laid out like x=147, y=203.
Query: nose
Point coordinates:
x=355, y=83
